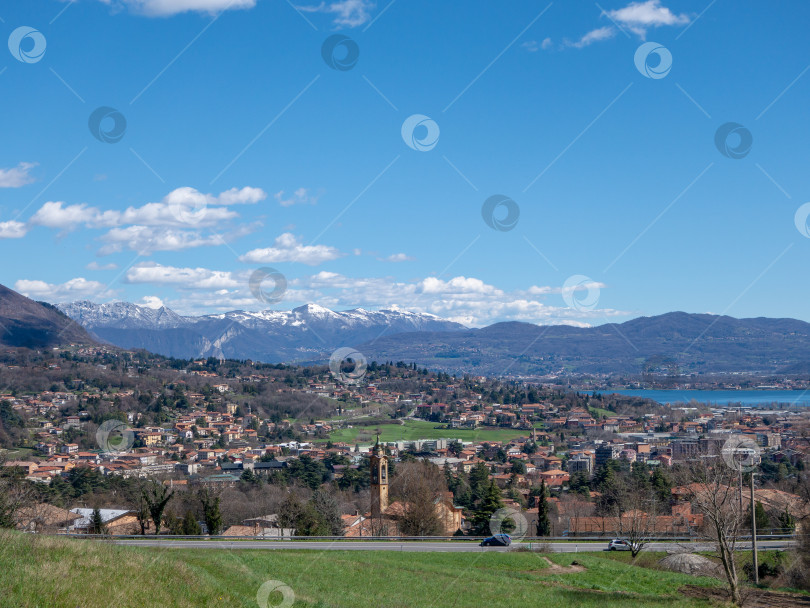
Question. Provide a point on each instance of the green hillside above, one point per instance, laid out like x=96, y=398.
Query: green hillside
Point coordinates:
x=42, y=572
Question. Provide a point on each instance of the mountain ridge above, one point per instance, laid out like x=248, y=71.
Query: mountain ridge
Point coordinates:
x=675, y=342
x=686, y=342
x=25, y=323
x=309, y=332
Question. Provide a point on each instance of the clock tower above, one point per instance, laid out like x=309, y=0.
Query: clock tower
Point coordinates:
x=379, y=481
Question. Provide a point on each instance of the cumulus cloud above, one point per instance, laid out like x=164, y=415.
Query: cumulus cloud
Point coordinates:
x=17, y=177
x=287, y=248
x=639, y=16
x=467, y=300
x=182, y=207
x=12, y=230
x=302, y=196
x=165, y=8
x=74, y=289
x=178, y=221
x=145, y=240
x=54, y=214
x=152, y=302
x=184, y=278
x=348, y=13
x=457, y=286
x=242, y=196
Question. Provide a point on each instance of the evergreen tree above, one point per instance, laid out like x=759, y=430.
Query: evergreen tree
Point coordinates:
x=211, y=513
x=543, y=521
x=191, y=526
x=578, y=484
x=250, y=477
x=761, y=517
x=97, y=523
x=661, y=485
x=479, y=481
x=490, y=503
x=787, y=522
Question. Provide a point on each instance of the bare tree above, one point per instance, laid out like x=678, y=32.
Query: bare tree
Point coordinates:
x=711, y=485
x=418, y=485
x=637, y=515
x=15, y=494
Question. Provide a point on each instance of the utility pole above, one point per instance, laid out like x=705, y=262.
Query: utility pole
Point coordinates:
x=754, y=532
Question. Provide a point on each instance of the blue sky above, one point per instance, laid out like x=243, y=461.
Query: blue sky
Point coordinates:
x=233, y=146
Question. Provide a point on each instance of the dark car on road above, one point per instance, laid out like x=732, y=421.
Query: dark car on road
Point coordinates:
x=499, y=540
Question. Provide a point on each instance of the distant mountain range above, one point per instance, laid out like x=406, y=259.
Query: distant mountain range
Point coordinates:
x=307, y=333
x=675, y=342
x=25, y=323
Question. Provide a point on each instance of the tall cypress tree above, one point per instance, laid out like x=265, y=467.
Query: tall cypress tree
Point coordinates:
x=543, y=521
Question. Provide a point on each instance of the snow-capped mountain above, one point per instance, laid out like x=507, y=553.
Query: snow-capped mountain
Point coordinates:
x=309, y=332
x=122, y=315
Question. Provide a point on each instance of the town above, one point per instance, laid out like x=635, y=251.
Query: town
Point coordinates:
x=100, y=436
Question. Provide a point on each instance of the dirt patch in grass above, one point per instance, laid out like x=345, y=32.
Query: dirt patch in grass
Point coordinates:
x=557, y=569
x=754, y=598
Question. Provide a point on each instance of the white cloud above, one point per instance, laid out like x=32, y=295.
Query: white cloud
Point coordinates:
x=602, y=33
x=639, y=16
x=152, y=302
x=146, y=239
x=74, y=289
x=12, y=230
x=184, y=278
x=165, y=8
x=287, y=248
x=54, y=214
x=398, y=257
x=467, y=300
x=178, y=221
x=97, y=266
x=531, y=46
x=243, y=196
x=182, y=207
x=457, y=286
x=302, y=196
x=16, y=177
x=348, y=13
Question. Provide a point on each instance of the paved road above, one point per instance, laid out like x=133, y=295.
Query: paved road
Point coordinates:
x=411, y=546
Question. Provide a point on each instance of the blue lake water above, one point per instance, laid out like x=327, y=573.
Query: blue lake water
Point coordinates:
x=721, y=397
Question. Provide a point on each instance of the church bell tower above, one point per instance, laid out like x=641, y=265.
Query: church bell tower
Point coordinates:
x=379, y=481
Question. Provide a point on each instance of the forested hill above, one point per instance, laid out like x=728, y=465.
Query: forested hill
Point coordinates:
x=676, y=342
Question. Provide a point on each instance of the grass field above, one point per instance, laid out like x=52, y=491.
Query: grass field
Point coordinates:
x=420, y=429
x=598, y=411
x=40, y=572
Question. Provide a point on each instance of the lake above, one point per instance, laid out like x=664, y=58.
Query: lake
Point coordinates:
x=722, y=397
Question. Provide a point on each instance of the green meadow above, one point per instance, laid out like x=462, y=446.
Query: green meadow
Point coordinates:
x=47, y=572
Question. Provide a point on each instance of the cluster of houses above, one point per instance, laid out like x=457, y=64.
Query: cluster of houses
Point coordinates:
x=551, y=443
